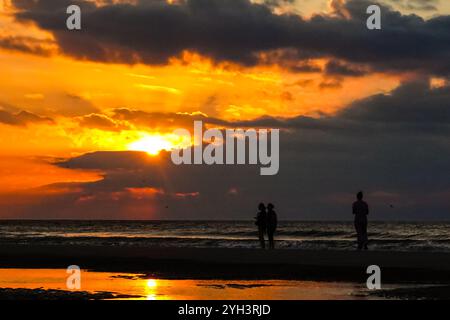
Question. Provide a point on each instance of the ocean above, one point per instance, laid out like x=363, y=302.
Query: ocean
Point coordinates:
x=399, y=236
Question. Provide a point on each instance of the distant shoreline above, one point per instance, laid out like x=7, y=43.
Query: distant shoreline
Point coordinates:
x=221, y=263
x=349, y=220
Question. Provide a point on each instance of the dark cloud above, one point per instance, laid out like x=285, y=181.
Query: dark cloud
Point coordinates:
x=337, y=68
x=304, y=67
x=74, y=105
x=27, y=45
x=303, y=83
x=419, y=5
x=8, y=118
x=101, y=121
x=413, y=102
x=116, y=160
x=238, y=31
x=396, y=157
x=168, y=121
x=334, y=83
x=277, y=3
x=22, y=118
x=162, y=120
x=126, y=119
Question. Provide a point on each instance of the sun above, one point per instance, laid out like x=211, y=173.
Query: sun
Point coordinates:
x=152, y=283
x=153, y=144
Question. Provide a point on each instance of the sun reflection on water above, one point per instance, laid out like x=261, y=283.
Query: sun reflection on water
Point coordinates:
x=150, y=290
x=138, y=286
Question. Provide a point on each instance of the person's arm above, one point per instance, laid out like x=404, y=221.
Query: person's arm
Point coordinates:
x=353, y=208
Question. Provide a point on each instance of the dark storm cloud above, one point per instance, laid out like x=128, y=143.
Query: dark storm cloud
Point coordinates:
x=237, y=31
x=414, y=102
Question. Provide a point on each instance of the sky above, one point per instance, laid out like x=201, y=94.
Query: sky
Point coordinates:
x=87, y=116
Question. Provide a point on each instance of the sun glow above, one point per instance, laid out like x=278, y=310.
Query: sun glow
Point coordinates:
x=151, y=283
x=155, y=143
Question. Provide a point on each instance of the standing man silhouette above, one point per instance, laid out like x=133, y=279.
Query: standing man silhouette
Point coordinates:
x=261, y=222
x=361, y=210
x=271, y=224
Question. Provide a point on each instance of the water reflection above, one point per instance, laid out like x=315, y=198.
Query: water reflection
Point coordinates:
x=151, y=289
x=142, y=287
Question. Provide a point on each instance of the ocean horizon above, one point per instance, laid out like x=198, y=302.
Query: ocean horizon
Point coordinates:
x=307, y=235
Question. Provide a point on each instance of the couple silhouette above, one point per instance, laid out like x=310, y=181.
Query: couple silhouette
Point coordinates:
x=266, y=220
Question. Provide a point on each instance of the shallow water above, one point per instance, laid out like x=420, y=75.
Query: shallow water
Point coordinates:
x=148, y=288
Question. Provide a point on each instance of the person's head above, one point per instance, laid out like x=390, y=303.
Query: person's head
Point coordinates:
x=261, y=206
x=270, y=206
x=359, y=195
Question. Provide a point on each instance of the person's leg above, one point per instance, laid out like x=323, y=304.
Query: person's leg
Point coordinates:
x=364, y=235
x=358, y=235
x=271, y=242
x=261, y=239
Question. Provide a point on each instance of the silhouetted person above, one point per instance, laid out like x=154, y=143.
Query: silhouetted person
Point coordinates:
x=271, y=224
x=361, y=210
x=261, y=222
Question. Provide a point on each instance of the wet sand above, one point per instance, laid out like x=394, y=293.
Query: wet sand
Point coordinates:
x=197, y=263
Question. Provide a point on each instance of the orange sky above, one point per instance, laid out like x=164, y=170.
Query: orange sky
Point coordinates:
x=66, y=93
x=65, y=89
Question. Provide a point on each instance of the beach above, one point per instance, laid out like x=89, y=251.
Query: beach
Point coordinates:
x=221, y=263
x=235, y=268
x=220, y=260
x=218, y=273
